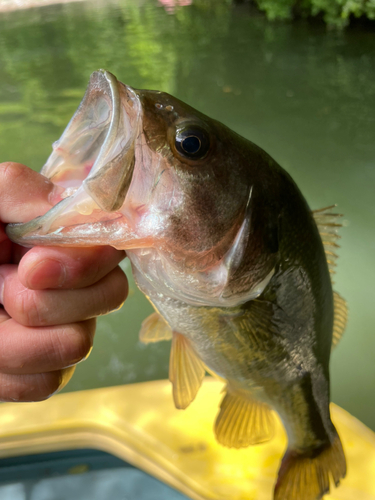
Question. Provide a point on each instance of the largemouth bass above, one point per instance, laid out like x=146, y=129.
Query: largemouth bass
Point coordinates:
x=225, y=247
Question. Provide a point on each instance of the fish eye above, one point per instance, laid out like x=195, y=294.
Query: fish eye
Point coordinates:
x=192, y=142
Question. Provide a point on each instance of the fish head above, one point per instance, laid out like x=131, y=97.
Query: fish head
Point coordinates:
x=145, y=160
x=190, y=184
x=139, y=169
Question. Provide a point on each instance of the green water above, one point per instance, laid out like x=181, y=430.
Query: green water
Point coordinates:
x=304, y=94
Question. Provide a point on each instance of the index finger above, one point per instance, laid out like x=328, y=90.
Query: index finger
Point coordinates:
x=50, y=267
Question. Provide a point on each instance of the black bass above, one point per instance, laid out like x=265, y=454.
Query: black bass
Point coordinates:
x=225, y=247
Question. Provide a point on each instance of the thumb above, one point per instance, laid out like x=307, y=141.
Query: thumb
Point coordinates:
x=24, y=194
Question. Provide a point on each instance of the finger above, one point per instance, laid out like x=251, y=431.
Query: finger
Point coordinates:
x=57, y=307
x=25, y=350
x=43, y=268
x=5, y=246
x=3, y=315
x=25, y=388
x=17, y=253
x=9, y=252
x=24, y=194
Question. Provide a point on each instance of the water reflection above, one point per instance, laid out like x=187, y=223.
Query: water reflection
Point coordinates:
x=304, y=94
x=170, y=5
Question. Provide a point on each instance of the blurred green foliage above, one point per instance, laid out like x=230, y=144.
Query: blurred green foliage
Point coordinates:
x=335, y=12
x=47, y=55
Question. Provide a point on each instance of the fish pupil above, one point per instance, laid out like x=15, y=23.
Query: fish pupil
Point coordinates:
x=191, y=144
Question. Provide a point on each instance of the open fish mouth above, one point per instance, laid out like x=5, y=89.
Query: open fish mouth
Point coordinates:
x=92, y=162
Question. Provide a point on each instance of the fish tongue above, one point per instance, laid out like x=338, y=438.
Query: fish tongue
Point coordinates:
x=93, y=161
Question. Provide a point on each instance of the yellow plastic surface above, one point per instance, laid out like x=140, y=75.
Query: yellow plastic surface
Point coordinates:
x=139, y=424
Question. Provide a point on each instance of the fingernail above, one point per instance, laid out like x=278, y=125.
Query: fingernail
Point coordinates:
x=84, y=358
x=48, y=273
x=76, y=361
x=66, y=375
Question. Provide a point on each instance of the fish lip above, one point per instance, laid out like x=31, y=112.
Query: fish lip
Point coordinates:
x=115, y=98
x=108, y=120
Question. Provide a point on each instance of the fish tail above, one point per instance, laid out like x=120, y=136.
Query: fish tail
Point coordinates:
x=306, y=475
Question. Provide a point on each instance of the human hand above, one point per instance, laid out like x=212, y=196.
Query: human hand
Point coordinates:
x=50, y=295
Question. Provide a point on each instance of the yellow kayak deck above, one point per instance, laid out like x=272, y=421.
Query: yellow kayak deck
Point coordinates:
x=139, y=424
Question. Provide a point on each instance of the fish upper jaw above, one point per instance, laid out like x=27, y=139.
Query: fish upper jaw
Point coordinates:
x=96, y=150
x=93, y=164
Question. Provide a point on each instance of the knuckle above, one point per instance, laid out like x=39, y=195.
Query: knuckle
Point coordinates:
x=26, y=308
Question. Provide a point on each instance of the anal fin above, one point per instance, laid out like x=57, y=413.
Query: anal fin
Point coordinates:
x=186, y=371
x=154, y=329
x=340, y=317
x=243, y=421
x=307, y=475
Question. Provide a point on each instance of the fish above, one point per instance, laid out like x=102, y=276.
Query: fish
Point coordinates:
x=225, y=247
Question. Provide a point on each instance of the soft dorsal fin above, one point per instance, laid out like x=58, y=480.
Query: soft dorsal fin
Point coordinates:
x=186, y=371
x=340, y=317
x=154, y=329
x=328, y=226
x=243, y=421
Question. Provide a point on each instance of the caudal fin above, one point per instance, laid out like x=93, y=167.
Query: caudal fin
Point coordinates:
x=307, y=476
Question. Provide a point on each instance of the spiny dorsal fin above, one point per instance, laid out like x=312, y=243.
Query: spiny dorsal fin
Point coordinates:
x=328, y=226
x=243, y=421
x=340, y=317
x=154, y=329
x=186, y=371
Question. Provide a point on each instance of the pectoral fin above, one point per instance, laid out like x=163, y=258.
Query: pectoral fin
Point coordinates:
x=243, y=421
x=186, y=371
x=154, y=329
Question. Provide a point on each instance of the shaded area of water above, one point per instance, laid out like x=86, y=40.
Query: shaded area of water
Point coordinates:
x=305, y=95
x=78, y=475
